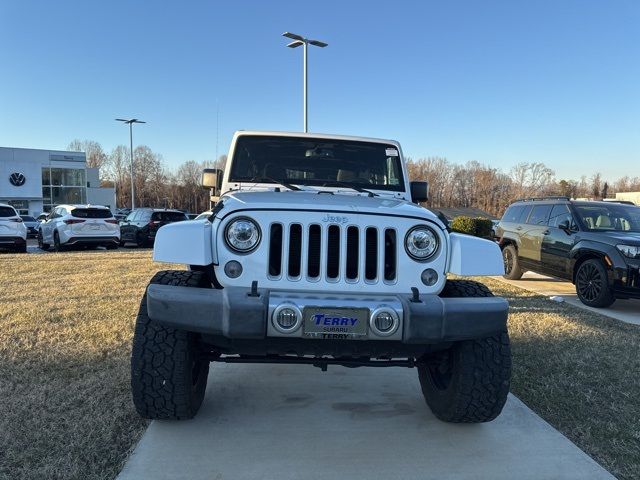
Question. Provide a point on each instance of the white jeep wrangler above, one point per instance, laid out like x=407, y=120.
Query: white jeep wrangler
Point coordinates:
x=318, y=253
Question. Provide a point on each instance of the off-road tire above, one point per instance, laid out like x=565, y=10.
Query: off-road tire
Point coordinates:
x=598, y=294
x=512, y=269
x=468, y=383
x=168, y=376
x=41, y=244
x=465, y=288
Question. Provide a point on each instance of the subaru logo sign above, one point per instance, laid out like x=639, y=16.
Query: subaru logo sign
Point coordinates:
x=17, y=179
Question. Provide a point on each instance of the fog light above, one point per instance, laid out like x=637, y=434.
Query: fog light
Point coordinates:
x=384, y=321
x=286, y=318
x=429, y=277
x=233, y=269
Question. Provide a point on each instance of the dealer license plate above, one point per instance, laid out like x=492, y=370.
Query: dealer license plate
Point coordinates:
x=335, y=323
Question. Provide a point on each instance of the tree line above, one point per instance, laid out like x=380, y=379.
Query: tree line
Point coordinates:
x=490, y=189
x=472, y=184
x=156, y=185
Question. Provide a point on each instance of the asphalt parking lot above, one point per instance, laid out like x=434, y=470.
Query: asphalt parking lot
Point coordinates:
x=291, y=422
x=623, y=310
x=32, y=247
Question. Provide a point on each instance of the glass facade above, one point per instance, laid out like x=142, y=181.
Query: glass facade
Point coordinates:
x=63, y=185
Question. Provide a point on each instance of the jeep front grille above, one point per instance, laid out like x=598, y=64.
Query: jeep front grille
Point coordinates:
x=332, y=252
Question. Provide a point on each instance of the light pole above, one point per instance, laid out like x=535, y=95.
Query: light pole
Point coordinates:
x=131, y=121
x=299, y=40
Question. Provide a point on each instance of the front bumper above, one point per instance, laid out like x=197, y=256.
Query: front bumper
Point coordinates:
x=232, y=317
x=626, y=280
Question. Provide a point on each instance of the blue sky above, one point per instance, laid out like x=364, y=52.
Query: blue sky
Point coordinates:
x=500, y=82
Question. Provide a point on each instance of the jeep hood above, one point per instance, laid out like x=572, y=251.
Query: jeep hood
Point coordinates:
x=324, y=202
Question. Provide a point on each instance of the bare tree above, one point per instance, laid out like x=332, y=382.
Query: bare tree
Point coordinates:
x=96, y=157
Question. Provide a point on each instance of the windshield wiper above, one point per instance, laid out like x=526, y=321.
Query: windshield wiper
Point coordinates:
x=290, y=186
x=338, y=183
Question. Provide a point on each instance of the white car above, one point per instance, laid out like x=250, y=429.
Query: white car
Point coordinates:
x=79, y=225
x=13, y=233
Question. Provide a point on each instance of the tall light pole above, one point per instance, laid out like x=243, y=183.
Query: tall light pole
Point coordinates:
x=299, y=40
x=131, y=121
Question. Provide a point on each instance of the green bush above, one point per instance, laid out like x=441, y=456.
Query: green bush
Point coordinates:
x=478, y=227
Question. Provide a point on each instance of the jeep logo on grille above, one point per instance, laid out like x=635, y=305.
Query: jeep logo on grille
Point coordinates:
x=17, y=179
x=335, y=219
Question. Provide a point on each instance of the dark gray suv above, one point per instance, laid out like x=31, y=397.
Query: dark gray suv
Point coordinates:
x=595, y=245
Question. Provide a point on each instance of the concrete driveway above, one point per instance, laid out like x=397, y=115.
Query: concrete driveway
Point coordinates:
x=292, y=422
x=624, y=310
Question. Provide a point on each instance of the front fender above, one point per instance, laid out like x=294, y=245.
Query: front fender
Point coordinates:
x=473, y=256
x=599, y=249
x=187, y=242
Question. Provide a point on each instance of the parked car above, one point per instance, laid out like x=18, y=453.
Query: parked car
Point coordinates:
x=142, y=224
x=203, y=215
x=32, y=225
x=320, y=254
x=13, y=232
x=595, y=245
x=192, y=216
x=79, y=225
x=42, y=217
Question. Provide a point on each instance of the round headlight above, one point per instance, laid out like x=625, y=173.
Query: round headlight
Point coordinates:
x=242, y=235
x=421, y=242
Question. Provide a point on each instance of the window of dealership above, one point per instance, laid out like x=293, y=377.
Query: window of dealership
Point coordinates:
x=63, y=185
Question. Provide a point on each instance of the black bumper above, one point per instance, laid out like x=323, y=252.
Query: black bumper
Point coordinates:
x=626, y=280
x=12, y=242
x=232, y=317
x=92, y=241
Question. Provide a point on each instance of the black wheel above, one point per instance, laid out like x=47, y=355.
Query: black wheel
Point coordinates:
x=21, y=249
x=41, y=244
x=592, y=284
x=111, y=246
x=469, y=382
x=168, y=374
x=56, y=242
x=512, y=270
x=121, y=243
x=141, y=241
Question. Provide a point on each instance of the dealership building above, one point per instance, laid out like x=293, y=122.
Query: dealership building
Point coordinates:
x=33, y=181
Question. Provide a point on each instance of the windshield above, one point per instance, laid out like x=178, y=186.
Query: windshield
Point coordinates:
x=168, y=216
x=91, y=213
x=624, y=218
x=317, y=162
x=7, y=212
x=27, y=218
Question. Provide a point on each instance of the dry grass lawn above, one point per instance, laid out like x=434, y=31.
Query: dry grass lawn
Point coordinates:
x=66, y=322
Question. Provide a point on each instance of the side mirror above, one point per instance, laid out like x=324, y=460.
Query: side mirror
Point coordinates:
x=212, y=178
x=565, y=226
x=419, y=191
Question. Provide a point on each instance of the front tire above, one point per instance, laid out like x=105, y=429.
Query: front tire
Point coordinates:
x=57, y=247
x=592, y=284
x=168, y=374
x=512, y=270
x=468, y=383
x=41, y=244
